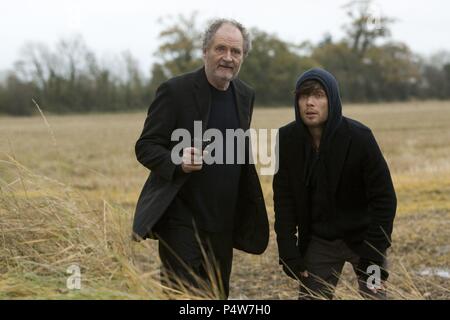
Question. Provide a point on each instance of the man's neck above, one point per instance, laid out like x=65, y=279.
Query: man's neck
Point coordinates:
x=222, y=85
x=316, y=135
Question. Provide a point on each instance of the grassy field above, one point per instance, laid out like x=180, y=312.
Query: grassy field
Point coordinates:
x=68, y=190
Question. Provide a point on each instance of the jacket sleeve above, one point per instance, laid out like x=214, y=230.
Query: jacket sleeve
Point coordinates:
x=382, y=202
x=285, y=214
x=153, y=146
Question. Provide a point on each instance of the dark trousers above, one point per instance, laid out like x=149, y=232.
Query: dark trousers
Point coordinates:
x=194, y=261
x=324, y=262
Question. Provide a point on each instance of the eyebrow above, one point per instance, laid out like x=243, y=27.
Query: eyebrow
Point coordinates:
x=224, y=45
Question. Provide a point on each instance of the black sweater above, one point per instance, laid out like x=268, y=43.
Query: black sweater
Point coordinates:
x=211, y=193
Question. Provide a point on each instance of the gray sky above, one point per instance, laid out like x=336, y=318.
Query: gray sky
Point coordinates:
x=113, y=26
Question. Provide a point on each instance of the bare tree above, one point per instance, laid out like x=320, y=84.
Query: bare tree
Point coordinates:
x=368, y=24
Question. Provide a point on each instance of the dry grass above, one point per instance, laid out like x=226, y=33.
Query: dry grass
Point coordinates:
x=68, y=190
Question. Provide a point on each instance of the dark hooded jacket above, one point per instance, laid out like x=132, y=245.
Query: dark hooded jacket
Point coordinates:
x=351, y=175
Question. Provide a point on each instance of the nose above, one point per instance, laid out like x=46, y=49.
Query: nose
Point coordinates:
x=227, y=56
x=309, y=100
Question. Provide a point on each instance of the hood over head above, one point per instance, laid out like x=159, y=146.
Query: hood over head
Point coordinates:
x=330, y=84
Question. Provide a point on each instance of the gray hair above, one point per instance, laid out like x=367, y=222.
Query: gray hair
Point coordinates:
x=216, y=24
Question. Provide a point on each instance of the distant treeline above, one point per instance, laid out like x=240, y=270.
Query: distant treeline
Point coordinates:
x=368, y=64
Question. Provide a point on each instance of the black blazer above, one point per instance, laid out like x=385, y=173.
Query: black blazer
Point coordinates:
x=178, y=103
x=362, y=192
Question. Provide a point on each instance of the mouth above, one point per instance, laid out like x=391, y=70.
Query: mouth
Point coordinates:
x=225, y=67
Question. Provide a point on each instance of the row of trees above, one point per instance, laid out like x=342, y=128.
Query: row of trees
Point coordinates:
x=71, y=79
x=367, y=63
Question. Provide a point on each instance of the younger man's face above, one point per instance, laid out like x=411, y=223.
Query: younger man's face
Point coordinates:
x=314, y=108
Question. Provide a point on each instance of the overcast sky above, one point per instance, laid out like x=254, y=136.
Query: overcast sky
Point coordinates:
x=113, y=26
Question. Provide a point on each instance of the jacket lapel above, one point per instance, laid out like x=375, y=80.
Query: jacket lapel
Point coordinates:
x=338, y=151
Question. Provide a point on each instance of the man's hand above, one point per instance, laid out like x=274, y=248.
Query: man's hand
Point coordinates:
x=192, y=159
x=293, y=269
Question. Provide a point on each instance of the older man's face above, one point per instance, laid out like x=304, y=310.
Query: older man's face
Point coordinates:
x=224, y=56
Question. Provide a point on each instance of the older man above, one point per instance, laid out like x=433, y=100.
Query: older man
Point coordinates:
x=200, y=211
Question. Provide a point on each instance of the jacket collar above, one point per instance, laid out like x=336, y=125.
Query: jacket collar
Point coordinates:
x=337, y=154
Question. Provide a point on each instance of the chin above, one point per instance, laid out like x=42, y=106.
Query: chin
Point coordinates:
x=312, y=124
x=225, y=74
x=225, y=78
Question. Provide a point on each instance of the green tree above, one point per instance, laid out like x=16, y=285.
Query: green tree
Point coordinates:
x=180, y=49
x=346, y=66
x=272, y=68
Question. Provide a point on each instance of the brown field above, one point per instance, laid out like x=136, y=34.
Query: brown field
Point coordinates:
x=68, y=190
